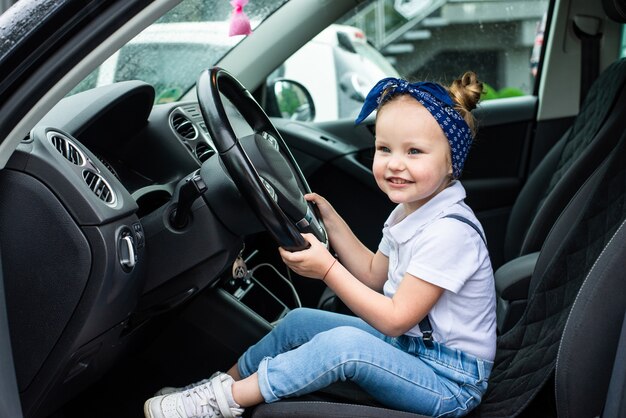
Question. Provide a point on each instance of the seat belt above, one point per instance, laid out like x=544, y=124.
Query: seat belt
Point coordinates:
x=587, y=29
x=425, y=326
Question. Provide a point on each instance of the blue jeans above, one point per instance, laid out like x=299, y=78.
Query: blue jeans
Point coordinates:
x=310, y=349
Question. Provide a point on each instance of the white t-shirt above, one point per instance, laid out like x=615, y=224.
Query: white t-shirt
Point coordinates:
x=450, y=254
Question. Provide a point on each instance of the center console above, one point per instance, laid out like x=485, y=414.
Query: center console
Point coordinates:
x=242, y=309
x=262, y=288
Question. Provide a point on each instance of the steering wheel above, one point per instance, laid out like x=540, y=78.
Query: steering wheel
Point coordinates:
x=260, y=164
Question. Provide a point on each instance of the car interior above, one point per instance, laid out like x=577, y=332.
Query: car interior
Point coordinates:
x=139, y=238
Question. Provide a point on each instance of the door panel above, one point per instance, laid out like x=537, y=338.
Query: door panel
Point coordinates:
x=497, y=165
x=9, y=399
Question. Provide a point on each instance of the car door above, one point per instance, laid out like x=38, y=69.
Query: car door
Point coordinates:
x=438, y=41
x=42, y=41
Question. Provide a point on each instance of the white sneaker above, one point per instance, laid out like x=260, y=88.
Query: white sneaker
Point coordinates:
x=169, y=390
x=209, y=400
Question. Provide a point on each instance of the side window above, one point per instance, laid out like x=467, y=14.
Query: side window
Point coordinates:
x=500, y=40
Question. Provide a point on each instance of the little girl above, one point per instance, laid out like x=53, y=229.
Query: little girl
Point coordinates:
x=424, y=336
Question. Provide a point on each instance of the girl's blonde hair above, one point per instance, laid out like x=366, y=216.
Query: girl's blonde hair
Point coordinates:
x=466, y=92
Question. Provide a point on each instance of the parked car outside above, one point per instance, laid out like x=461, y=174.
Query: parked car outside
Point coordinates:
x=338, y=67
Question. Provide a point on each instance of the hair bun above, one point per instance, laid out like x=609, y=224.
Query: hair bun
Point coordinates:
x=466, y=92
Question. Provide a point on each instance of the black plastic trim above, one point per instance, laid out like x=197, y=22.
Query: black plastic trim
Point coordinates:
x=9, y=398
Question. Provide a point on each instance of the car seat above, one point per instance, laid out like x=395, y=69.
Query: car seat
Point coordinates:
x=587, y=358
x=581, y=260
x=569, y=163
x=558, y=176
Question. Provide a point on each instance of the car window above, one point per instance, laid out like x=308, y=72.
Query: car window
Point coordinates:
x=169, y=79
x=500, y=40
x=337, y=68
x=194, y=33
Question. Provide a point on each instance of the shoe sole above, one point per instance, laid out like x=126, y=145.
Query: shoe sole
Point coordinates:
x=146, y=409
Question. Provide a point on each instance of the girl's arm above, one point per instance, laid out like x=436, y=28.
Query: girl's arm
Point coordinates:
x=391, y=316
x=369, y=268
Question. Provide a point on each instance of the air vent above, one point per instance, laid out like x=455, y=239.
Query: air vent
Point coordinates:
x=66, y=148
x=99, y=187
x=108, y=166
x=204, y=151
x=184, y=126
x=193, y=111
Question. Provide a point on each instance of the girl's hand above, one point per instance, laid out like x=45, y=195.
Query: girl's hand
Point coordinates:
x=325, y=209
x=313, y=262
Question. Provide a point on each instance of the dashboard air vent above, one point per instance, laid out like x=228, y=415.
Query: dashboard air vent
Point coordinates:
x=99, y=187
x=66, y=148
x=193, y=111
x=108, y=166
x=204, y=151
x=184, y=126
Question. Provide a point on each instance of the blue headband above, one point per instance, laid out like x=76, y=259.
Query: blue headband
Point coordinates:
x=437, y=101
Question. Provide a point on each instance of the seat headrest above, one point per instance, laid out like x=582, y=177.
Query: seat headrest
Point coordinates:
x=615, y=10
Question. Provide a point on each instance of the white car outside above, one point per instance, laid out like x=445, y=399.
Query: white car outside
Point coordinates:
x=338, y=67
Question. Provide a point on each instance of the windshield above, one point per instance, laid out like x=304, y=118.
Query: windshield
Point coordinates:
x=171, y=53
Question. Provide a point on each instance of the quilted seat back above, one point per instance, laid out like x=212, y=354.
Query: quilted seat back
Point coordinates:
x=527, y=354
x=569, y=163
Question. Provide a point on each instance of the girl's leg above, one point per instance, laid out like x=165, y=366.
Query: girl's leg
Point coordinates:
x=296, y=328
x=438, y=383
x=246, y=392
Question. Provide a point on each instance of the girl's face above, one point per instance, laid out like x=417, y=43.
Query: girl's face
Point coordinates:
x=412, y=161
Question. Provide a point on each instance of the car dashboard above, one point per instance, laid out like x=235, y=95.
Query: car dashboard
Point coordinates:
x=104, y=167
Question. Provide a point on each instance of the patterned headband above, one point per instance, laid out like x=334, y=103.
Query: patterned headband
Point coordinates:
x=437, y=101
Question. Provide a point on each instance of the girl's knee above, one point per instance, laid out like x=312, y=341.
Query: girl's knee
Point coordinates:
x=297, y=316
x=344, y=350
x=345, y=338
x=297, y=322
